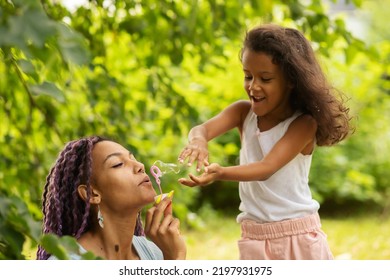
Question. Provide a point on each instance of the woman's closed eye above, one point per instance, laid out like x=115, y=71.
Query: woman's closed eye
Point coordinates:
x=117, y=165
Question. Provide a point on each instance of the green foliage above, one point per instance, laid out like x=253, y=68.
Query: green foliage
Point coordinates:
x=143, y=73
x=16, y=226
x=357, y=170
x=63, y=247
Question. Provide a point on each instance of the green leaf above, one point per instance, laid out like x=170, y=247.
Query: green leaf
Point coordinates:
x=350, y=53
x=4, y=35
x=90, y=256
x=49, y=89
x=72, y=46
x=62, y=247
x=12, y=240
x=52, y=245
x=33, y=26
x=26, y=66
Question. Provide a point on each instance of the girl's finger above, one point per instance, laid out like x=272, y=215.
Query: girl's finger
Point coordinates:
x=192, y=157
x=187, y=182
x=194, y=178
x=184, y=154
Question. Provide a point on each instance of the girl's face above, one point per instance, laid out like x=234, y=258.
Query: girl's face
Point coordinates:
x=266, y=85
x=120, y=179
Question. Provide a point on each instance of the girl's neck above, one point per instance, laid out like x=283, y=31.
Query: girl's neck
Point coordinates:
x=267, y=122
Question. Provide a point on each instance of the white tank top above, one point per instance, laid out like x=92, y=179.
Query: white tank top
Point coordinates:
x=286, y=194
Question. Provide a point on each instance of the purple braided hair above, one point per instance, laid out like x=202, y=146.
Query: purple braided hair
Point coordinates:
x=64, y=212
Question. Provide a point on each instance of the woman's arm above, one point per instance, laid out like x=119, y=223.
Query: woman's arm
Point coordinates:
x=164, y=230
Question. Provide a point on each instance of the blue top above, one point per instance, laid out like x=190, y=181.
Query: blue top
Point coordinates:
x=146, y=250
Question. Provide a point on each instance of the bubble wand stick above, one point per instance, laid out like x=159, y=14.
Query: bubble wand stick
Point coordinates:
x=156, y=172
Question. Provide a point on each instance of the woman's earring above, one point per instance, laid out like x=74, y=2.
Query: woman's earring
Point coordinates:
x=100, y=218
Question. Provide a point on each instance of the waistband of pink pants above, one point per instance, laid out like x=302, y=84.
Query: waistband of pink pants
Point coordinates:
x=253, y=230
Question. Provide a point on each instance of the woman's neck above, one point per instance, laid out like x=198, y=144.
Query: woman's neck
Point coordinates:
x=114, y=241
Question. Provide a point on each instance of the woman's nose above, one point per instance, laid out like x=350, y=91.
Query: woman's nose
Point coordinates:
x=139, y=167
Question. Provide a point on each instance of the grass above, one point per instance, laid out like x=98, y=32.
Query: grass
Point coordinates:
x=355, y=238
x=360, y=237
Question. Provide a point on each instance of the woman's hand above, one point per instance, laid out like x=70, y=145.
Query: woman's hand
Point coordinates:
x=211, y=173
x=196, y=150
x=164, y=230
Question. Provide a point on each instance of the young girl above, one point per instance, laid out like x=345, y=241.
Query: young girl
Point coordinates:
x=95, y=192
x=291, y=109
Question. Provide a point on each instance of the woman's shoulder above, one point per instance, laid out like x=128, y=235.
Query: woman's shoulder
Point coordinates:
x=146, y=249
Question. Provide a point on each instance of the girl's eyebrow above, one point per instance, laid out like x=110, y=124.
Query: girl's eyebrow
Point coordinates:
x=260, y=72
x=115, y=155
x=265, y=72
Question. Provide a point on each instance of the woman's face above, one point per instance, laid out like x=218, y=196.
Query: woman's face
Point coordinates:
x=120, y=179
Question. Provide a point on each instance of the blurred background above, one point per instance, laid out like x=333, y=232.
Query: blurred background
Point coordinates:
x=144, y=72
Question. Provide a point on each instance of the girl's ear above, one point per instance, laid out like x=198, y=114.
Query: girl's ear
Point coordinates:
x=95, y=196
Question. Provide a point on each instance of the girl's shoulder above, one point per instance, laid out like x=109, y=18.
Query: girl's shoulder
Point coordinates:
x=241, y=108
x=242, y=105
x=305, y=121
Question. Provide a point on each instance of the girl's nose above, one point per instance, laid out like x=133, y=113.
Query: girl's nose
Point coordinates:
x=254, y=85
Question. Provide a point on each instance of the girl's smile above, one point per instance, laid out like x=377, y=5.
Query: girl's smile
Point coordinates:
x=257, y=98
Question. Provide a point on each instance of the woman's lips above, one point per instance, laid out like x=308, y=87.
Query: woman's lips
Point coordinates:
x=146, y=181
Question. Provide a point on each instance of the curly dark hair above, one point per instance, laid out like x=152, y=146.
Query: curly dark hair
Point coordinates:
x=312, y=94
x=64, y=212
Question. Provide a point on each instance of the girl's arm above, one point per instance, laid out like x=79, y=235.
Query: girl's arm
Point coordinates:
x=299, y=138
x=198, y=137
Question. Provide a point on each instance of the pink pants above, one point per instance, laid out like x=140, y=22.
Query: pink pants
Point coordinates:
x=295, y=239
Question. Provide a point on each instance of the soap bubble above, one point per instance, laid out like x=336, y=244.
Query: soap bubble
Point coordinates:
x=167, y=167
x=160, y=168
x=172, y=171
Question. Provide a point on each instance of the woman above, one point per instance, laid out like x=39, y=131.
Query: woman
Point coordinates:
x=95, y=193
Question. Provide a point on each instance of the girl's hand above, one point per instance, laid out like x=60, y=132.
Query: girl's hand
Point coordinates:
x=211, y=173
x=196, y=150
x=164, y=230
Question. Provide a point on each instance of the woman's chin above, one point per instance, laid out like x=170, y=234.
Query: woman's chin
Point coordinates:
x=149, y=198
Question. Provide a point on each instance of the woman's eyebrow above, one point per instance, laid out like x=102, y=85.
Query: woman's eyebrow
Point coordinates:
x=112, y=155
x=117, y=154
